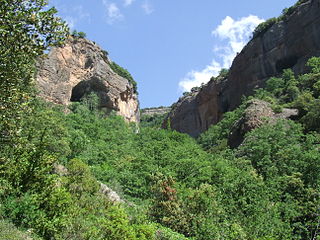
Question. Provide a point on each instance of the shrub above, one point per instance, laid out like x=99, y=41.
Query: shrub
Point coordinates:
x=154, y=121
x=77, y=34
x=224, y=72
x=167, y=234
x=263, y=27
x=9, y=232
x=124, y=73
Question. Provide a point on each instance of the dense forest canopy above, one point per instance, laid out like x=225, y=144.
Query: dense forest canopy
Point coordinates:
x=53, y=164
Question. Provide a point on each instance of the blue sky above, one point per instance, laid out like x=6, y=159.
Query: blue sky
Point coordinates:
x=169, y=46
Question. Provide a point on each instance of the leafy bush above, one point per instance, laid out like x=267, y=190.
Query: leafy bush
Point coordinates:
x=155, y=120
x=216, y=136
x=172, y=188
x=224, y=72
x=284, y=156
x=77, y=34
x=163, y=233
x=263, y=27
x=9, y=232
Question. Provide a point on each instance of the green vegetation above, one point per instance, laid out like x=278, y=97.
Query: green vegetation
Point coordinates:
x=26, y=30
x=155, y=120
x=9, y=232
x=125, y=74
x=173, y=187
x=77, y=34
x=264, y=26
x=216, y=136
x=224, y=72
x=300, y=92
x=283, y=154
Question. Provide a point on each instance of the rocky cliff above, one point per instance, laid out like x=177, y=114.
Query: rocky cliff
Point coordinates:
x=155, y=111
x=80, y=67
x=286, y=43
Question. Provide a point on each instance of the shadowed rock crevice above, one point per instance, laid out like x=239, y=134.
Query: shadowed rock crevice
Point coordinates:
x=285, y=63
x=89, y=63
x=84, y=88
x=126, y=95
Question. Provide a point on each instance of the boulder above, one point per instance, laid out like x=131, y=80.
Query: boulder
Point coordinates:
x=110, y=194
x=258, y=112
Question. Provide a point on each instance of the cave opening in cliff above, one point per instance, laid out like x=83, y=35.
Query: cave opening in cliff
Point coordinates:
x=285, y=63
x=79, y=91
x=85, y=88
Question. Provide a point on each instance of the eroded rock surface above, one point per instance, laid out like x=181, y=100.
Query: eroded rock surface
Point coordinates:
x=257, y=113
x=80, y=67
x=287, y=44
x=194, y=113
x=110, y=194
x=155, y=111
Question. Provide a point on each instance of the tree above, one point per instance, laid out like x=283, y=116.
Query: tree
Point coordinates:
x=77, y=34
x=26, y=30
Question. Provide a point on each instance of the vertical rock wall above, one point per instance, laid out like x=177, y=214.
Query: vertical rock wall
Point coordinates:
x=79, y=67
x=287, y=44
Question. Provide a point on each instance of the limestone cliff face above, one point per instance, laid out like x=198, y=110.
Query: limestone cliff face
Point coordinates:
x=287, y=44
x=194, y=113
x=79, y=67
x=155, y=111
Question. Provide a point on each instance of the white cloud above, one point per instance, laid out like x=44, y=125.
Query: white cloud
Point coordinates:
x=196, y=78
x=237, y=33
x=234, y=35
x=113, y=12
x=71, y=21
x=81, y=13
x=128, y=2
x=147, y=7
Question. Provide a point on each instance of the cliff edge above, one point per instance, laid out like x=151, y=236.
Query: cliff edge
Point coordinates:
x=286, y=43
x=80, y=67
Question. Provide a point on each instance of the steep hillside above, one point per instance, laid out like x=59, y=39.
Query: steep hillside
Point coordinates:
x=57, y=168
x=80, y=67
x=153, y=117
x=286, y=42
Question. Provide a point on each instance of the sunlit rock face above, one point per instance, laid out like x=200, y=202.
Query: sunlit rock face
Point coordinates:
x=81, y=67
x=287, y=44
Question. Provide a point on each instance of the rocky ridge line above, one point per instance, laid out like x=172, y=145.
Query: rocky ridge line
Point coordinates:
x=288, y=43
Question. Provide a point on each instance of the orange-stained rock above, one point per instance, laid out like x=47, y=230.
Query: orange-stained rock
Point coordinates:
x=80, y=67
